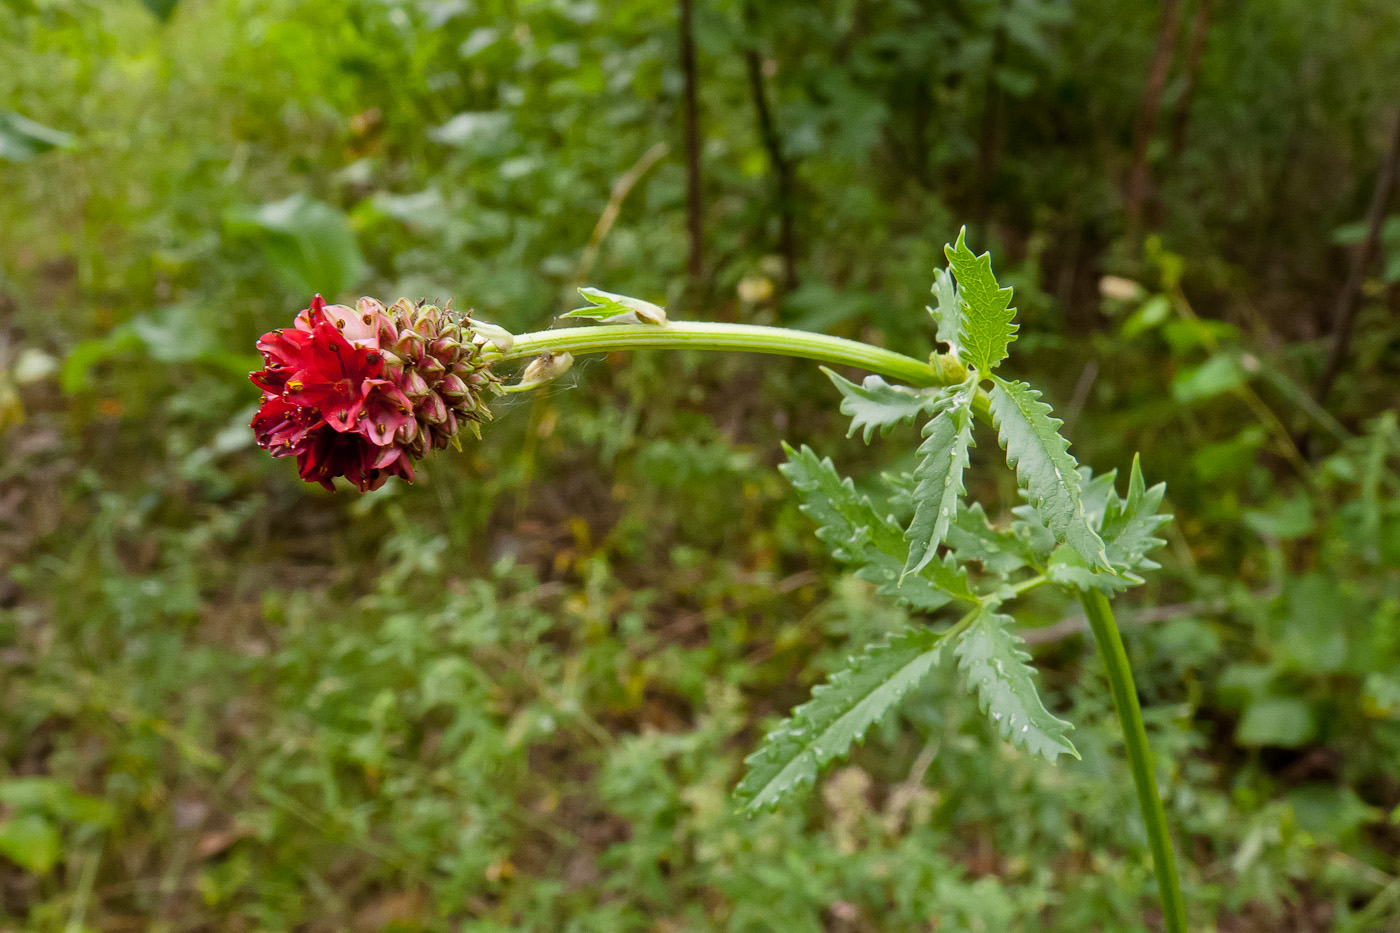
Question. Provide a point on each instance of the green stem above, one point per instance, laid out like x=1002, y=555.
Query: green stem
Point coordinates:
x=704, y=335
x=940, y=370
x=1120, y=677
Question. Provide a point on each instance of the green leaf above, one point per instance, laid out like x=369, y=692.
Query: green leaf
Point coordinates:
x=991, y=656
x=987, y=313
x=1130, y=525
x=21, y=139
x=876, y=405
x=856, y=534
x=31, y=842
x=948, y=312
x=618, y=309
x=1067, y=568
x=837, y=716
x=1220, y=374
x=161, y=9
x=471, y=128
x=972, y=537
x=942, y=459
x=1034, y=447
x=1287, y=722
x=308, y=243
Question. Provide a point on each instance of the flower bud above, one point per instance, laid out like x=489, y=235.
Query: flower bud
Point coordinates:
x=545, y=368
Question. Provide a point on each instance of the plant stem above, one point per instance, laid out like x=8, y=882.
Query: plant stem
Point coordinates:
x=1125, y=699
x=752, y=338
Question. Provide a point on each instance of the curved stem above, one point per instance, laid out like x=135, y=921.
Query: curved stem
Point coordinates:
x=1125, y=699
x=752, y=338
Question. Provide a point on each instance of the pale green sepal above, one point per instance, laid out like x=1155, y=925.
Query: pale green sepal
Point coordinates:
x=618, y=309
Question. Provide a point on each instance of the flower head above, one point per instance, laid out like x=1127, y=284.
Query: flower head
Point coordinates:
x=364, y=392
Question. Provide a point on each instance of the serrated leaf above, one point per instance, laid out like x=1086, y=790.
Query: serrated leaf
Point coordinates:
x=618, y=309
x=876, y=405
x=837, y=716
x=1034, y=447
x=947, y=310
x=856, y=534
x=1096, y=492
x=990, y=655
x=987, y=313
x=1130, y=525
x=1035, y=538
x=1067, y=568
x=942, y=458
x=972, y=537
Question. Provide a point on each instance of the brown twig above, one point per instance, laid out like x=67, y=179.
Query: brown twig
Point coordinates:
x=1181, y=115
x=782, y=168
x=1344, y=314
x=693, y=204
x=1135, y=194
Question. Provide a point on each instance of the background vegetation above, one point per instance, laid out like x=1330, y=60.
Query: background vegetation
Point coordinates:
x=516, y=695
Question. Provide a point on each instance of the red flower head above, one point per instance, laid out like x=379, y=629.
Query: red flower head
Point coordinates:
x=363, y=392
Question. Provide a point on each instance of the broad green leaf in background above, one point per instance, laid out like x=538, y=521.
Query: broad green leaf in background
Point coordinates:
x=1153, y=312
x=875, y=405
x=855, y=533
x=987, y=313
x=838, y=715
x=31, y=842
x=161, y=9
x=1031, y=437
x=22, y=139
x=942, y=458
x=466, y=129
x=1286, y=722
x=948, y=309
x=1221, y=373
x=618, y=309
x=991, y=656
x=309, y=243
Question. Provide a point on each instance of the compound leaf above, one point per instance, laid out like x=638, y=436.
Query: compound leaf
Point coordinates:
x=1047, y=473
x=991, y=656
x=972, y=537
x=1130, y=525
x=837, y=716
x=856, y=534
x=987, y=313
x=876, y=405
x=942, y=459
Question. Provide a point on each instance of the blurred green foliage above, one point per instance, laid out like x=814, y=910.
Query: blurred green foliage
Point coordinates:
x=517, y=694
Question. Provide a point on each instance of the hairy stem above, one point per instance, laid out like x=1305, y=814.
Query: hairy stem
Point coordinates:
x=751, y=338
x=1125, y=699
